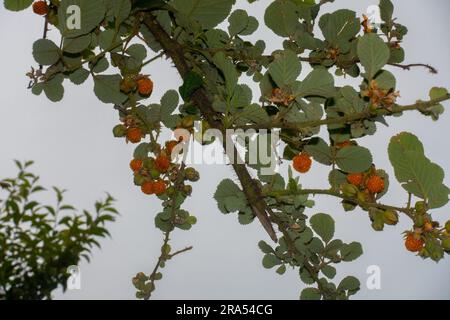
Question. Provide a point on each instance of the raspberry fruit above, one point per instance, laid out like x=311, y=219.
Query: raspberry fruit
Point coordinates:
x=159, y=187
x=170, y=145
x=302, y=163
x=355, y=179
x=413, y=244
x=145, y=86
x=148, y=188
x=40, y=8
x=134, y=135
x=136, y=164
x=162, y=163
x=375, y=184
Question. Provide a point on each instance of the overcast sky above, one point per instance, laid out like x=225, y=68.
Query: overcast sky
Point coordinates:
x=72, y=144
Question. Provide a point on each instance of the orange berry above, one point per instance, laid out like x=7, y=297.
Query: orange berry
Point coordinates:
x=162, y=163
x=170, y=145
x=159, y=187
x=136, y=164
x=134, y=135
x=355, y=179
x=145, y=86
x=302, y=163
x=375, y=184
x=148, y=187
x=40, y=8
x=413, y=244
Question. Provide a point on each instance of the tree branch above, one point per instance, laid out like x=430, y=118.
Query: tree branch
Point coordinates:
x=201, y=99
x=329, y=192
x=420, y=106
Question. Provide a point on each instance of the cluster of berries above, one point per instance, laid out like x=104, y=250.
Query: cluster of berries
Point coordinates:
x=132, y=128
x=156, y=175
x=143, y=84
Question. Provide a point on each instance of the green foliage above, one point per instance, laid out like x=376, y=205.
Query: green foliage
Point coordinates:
x=38, y=242
x=114, y=45
x=417, y=174
x=373, y=54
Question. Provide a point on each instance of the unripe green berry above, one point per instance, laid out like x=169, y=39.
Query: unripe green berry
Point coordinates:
x=120, y=131
x=447, y=226
x=349, y=190
x=187, y=190
x=446, y=244
x=390, y=217
x=192, y=174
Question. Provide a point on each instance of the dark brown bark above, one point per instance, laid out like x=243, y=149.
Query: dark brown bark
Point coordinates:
x=202, y=100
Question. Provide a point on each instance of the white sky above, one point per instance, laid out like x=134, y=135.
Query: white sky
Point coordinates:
x=73, y=147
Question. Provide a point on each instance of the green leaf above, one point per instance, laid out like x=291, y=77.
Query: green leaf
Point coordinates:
x=285, y=69
x=137, y=51
x=107, y=89
x=79, y=76
x=17, y=5
x=229, y=197
x=349, y=283
x=305, y=276
x=54, y=89
x=352, y=251
x=192, y=81
x=46, y=52
x=229, y=71
x=310, y=294
x=270, y=261
x=318, y=83
x=373, y=54
x=386, y=80
x=329, y=271
x=323, y=225
x=208, y=12
x=386, y=10
x=265, y=248
x=240, y=23
x=169, y=102
x=340, y=26
x=354, y=159
x=253, y=113
x=281, y=16
x=319, y=150
x=121, y=9
x=92, y=13
x=76, y=45
x=281, y=270
x=438, y=109
x=417, y=174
